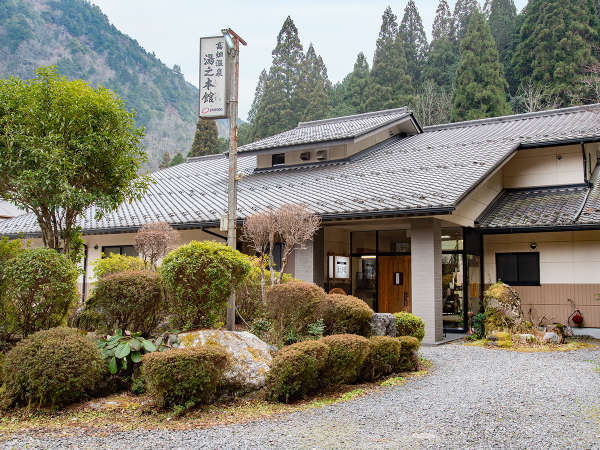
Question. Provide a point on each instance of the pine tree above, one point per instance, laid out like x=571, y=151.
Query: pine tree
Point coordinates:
x=390, y=86
x=462, y=15
x=206, y=139
x=480, y=87
x=443, y=22
x=258, y=93
x=275, y=112
x=442, y=63
x=556, y=45
x=414, y=42
x=177, y=159
x=164, y=161
x=353, y=90
x=312, y=98
x=503, y=22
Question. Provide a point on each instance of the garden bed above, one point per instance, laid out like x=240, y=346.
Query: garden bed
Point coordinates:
x=571, y=344
x=124, y=412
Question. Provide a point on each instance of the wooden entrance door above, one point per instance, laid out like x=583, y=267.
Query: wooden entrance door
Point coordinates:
x=393, y=284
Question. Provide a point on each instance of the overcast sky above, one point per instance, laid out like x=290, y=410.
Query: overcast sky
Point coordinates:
x=338, y=29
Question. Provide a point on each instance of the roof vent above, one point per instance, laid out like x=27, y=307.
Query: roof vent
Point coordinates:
x=322, y=155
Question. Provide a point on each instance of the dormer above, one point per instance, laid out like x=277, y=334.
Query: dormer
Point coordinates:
x=333, y=139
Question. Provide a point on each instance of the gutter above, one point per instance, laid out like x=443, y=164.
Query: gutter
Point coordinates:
x=539, y=229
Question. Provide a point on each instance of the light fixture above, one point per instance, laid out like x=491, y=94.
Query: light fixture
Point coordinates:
x=368, y=257
x=228, y=40
x=533, y=246
x=445, y=236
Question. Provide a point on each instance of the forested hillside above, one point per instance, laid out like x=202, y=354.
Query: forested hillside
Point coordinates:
x=77, y=37
x=483, y=61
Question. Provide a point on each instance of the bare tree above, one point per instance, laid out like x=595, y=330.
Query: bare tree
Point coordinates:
x=295, y=225
x=259, y=233
x=532, y=97
x=154, y=240
x=432, y=104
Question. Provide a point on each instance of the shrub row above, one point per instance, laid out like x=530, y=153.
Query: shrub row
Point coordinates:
x=304, y=368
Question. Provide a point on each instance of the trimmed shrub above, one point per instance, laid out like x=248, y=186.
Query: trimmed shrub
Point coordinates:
x=187, y=376
x=344, y=314
x=384, y=354
x=292, y=306
x=53, y=367
x=199, y=277
x=296, y=371
x=408, y=324
x=345, y=359
x=8, y=251
x=409, y=359
x=249, y=302
x=129, y=300
x=40, y=288
x=117, y=263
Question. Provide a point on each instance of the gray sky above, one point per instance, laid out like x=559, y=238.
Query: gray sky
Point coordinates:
x=338, y=29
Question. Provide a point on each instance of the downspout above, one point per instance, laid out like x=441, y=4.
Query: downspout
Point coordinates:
x=585, y=177
x=84, y=282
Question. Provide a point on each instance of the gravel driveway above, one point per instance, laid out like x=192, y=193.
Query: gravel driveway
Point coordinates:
x=473, y=397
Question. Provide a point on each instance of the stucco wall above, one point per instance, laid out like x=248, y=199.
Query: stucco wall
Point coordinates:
x=569, y=269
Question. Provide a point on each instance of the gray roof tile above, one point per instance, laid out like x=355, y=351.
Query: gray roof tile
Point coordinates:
x=434, y=169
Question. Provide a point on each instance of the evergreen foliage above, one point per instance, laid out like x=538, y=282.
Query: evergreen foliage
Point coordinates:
x=480, y=87
x=390, y=86
x=442, y=63
x=503, y=22
x=443, y=22
x=462, y=15
x=177, y=159
x=313, y=89
x=353, y=90
x=556, y=41
x=414, y=42
x=206, y=139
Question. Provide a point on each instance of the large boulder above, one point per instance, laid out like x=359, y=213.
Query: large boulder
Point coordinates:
x=503, y=308
x=383, y=324
x=250, y=357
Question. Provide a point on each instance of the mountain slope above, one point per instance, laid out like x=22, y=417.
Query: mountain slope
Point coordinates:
x=77, y=37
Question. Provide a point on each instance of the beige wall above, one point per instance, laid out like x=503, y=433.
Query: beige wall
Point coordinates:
x=569, y=269
x=475, y=203
x=544, y=167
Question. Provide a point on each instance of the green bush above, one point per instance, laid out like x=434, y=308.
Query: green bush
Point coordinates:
x=187, y=376
x=8, y=251
x=345, y=359
x=2, y=358
x=409, y=360
x=384, y=354
x=345, y=314
x=296, y=371
x=408, y=324
x=249, y=302
x=479, y=325
x=292, y=307
x=117, y=263
x=40, y=288
x=53, y=367
x=129, y=300
x=199, y=277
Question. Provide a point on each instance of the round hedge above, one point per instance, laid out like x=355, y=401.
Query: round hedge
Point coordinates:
x=408, y=324
x=115, y=263
x=295, y=371
x=53, y=368
x=294, y=305
x=345, y=314
x=409, y=359
x=199, y=277
x=184, y=376
x=249, y=301
x=40, y=286
x=384, y=354
x=345, y=358
x=129, y=300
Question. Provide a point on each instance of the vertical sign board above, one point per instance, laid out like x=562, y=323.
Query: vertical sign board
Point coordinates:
x=213, y=78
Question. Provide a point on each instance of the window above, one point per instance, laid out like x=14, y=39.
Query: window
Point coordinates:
x=125, y=250
x=278, y=159
x=519, y=269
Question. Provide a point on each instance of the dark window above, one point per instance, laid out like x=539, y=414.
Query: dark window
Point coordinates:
x=278, y=159
x=519, y=269
x=125, y=250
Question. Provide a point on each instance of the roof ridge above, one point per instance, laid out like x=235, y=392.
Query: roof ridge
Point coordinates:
x=203, y=157
x=508, y=118
x=383, y=112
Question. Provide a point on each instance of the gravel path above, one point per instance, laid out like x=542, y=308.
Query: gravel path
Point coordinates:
x=473, y=397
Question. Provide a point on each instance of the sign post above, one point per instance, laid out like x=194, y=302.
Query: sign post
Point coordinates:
x=219, y=73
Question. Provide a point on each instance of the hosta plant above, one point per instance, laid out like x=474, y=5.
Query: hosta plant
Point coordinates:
x=122, y=350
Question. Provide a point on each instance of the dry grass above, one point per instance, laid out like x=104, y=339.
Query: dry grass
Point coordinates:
x=123, y=412
x=571, y=345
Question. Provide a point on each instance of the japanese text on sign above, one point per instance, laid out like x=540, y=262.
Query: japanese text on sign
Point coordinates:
x=213, y=81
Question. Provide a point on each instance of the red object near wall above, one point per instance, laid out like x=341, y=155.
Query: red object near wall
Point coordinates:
x=577, y=318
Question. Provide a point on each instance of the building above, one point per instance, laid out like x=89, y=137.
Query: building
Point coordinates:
x=415, y=219
x=8, y=210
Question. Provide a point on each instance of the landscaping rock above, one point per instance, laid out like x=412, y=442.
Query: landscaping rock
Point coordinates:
x=383, y=324
x=551, y=337
x=503, y=308
x=524, y=338
x=250, y=357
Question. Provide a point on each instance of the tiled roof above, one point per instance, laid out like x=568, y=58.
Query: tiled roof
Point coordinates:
x=590, y=213
x=431, y=170
x=557, y=206
x=338, y=128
